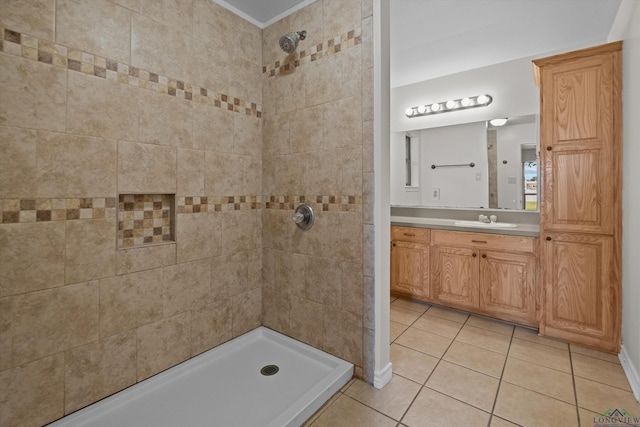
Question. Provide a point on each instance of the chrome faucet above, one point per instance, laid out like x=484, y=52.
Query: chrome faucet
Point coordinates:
x=483, y=218
x=493, y=219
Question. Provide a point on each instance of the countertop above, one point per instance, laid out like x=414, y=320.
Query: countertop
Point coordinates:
x=530, y=230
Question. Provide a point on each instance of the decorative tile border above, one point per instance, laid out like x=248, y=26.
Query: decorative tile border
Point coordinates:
x=41, y=210
x=330, y=47
x=145, y=219
x=187, y=205
x=48, y=52
x=324, y=203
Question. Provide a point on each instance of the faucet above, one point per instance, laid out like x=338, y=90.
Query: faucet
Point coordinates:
x=493, y=219
x=484, y=218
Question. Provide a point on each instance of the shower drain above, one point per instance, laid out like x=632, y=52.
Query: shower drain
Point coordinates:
x=269, y=370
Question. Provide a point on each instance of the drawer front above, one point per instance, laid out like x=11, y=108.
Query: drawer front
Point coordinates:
x=484, y=241
x=410, y=234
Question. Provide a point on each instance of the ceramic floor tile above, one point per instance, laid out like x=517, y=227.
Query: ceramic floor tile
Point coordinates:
x=613, y=358
x=433, y=409
x=392, y=400
x=484, y=339
x=347, y=412
x=438, y=325
x=547, y=381
x=464, y=384
x=396, y=330
x=499, y=422
x=448, y=313
x=532, y=336
x=540, y=354
x=425, y=342
x=412, y=364
x=598, y=397
x=490, y=325
x=476, y=358
x=529, y=408
x=403, y=315
x=411, y=305
x=599, y=370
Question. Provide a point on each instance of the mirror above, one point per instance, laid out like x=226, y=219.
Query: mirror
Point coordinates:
x=471, y=165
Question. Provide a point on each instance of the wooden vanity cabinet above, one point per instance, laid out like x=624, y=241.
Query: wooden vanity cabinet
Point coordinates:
x=489, y=274
x=580, y=214
x=410, y=262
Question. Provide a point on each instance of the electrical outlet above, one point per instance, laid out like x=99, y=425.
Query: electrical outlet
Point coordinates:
x=435, y=194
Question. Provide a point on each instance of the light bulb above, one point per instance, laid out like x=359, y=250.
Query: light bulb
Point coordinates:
x=498, y=122
x=409, y=112
x=482, y=99
x=422, y=109
x=451, y=104
x=435, y=107
x=465, y=102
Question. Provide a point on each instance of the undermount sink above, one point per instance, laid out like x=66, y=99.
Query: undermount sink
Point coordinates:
x=479, y=224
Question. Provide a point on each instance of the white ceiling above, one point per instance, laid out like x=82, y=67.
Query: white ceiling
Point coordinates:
x=433, y=38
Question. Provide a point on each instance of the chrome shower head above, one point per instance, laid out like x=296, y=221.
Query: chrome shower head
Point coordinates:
x=289, y=41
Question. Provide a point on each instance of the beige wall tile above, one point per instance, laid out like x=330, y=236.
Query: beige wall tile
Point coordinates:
x=209, y=68
x=165, y=120
x=32, y=257
x=163, y=344
x=6, y=336
x=75, y=166
x=308, y=134
x=275, y=310
x=367, y=40
x=368, y=198
x=33, y=394
x=287, y=172
x=99, y=27
x=309, y=18
x=351, y=170
x=54, y=320
x=271, y=51
x=145, y=258
x=251, y=175
x=230, y=273
x=341, y=16
x=37, y=92
x=18, y=162
x=289, y=91
x=351, y=63
x=130, y=301
x=323, y=173
x=129, y=4
x=190, y=173
x=247, y=135
x=276, y=135
x=99, y=369
x=268, y=97
x=101, y=107
x=247, y=41
x=210, y=325
x=323, y=80
x=198, y=236
x=342, y=334
x=213, y=128
x=246, y=311
x=277, y=229
x=223, y=174
x=159, y=48
x=306, y=321
x=213, y=24
x=290, y=273
x=342, y=123
x=146, y=168
x=241, y=231
x=36, y=17
x=176, y=13
x=323, y=280
x=349, y=244
x=351, y=288
x=90, y=249
x=186, y=286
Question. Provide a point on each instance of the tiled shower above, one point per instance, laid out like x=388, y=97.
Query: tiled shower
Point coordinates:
x=152, y=153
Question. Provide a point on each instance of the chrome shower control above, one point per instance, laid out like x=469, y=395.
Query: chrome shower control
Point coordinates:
x=303, y=216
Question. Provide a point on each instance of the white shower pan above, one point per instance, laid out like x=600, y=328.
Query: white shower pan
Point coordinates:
x=225, y=387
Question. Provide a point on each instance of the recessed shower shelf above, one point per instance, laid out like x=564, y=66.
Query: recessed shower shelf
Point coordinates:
x=145, y=219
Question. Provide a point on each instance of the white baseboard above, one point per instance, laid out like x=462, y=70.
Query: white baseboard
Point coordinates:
x=382, y=377
x=630, y=371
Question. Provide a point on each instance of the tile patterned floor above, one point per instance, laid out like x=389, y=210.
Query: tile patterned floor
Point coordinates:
x=455, y=369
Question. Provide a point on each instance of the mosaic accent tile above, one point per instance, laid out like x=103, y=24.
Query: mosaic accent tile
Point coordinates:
x=145, y=219
x=48, y=52
x=342, y=203
x=39, y=210
x=329, y=47
x=187, y=205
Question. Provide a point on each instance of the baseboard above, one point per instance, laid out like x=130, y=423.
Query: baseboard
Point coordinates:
x=630, y=372
x=382, y=377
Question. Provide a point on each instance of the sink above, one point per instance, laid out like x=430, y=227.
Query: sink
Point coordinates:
x=478, y=224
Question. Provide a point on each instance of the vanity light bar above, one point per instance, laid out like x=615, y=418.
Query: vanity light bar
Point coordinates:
x=453, y=105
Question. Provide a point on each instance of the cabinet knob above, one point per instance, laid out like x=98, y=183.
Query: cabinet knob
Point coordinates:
x=549, y=148
x=484, y=255
x=548, y=237
x=474, y=255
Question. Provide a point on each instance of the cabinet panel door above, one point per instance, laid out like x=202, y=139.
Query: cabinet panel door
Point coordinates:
x=410, y=268
x=454, y=279
x=507, y=286
x=581, y=299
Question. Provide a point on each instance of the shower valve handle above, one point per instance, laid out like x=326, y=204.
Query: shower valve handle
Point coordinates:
x=298, y=217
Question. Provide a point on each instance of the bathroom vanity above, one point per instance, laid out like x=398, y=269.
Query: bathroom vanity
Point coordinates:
x=561, y=273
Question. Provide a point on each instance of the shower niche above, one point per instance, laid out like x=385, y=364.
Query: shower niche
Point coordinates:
x=145, y=220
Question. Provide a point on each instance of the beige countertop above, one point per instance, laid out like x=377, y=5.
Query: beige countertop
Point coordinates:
x=530, y=230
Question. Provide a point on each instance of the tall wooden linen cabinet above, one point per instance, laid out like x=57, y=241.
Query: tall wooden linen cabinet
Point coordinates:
x=581, y=191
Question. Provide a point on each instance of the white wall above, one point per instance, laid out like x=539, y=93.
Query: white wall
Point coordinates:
x=630, y=12
x=510, y=139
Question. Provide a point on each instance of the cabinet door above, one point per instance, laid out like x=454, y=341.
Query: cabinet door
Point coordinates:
x=410, y=269
x=507, y=286
x=454, y=279
x=581, y=298
x=578, y=145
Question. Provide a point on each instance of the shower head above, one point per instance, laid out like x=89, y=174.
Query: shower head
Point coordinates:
x=289, y=41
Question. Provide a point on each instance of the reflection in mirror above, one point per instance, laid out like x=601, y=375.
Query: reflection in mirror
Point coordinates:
x=478, y=165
